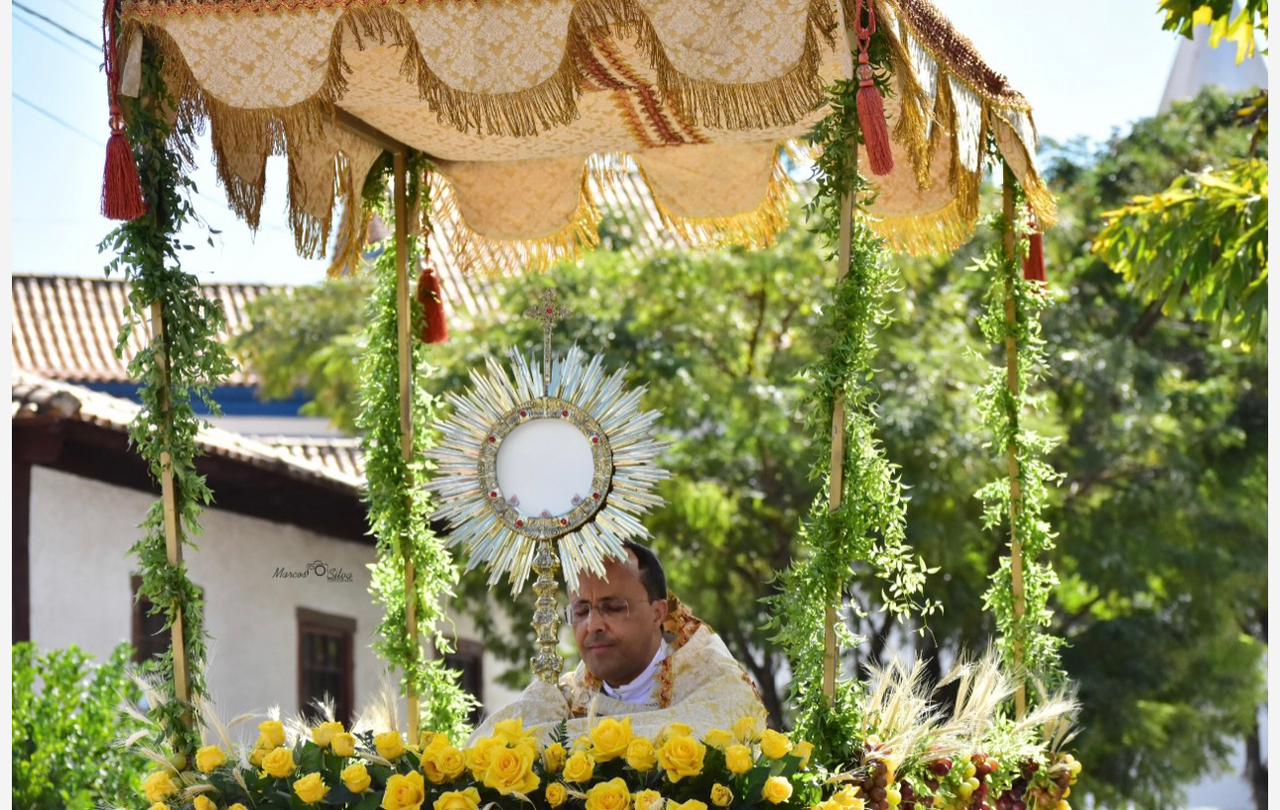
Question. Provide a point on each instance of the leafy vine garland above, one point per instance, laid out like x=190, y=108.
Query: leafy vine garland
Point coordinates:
x=400, y=511
x=868, y=528
x=188, y=362
x=1012, y=321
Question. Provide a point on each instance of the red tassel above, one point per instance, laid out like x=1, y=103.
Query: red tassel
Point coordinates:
x=875, y=130
x=121, y=187
x=1033, y=265
x=436, y=328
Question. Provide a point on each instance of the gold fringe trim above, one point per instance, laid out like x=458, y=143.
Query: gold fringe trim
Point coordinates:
x=353, y=224
x=914, y=108
x=748, y=105
x=753, y=230
x=476, y=252
x=522, y=113
x=941, y=231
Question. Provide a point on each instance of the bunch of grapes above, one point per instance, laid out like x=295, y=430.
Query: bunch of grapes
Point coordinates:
x=878, y=787
x=1048, y=788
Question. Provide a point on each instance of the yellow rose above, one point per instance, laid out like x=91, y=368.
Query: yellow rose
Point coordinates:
x=159, y=806
x=718, y=738
x=310, y=788
x=270, y=734
x=579, y=767
x=343, y=744
x=279, y=763
x=692, y=804
x=847, y=798
x=404, y=792
x=431, y=740
x=477, y=757
x=468, y=799
x=748, y=728
x=203, y=802
x=390, y=745
x=356, y=777
x=556, y=794
x=158, y=786
x=777, y=789
x=648, y=800
x=611, y=738
x=510, y=731
x=737, y=758
x=443, y=764
x=210, y=758
x=611, y=795
x=721, y=796
x=681, y=756
x=673, y=730
x=237, y=806
x=511, y=771
x=255, y=758
x=641, y=755
x=803, y=750
x=323, y=734
x=554, y=757
x=774, y=745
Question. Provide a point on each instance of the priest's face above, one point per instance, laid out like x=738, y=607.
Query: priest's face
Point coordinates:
x=617, y=628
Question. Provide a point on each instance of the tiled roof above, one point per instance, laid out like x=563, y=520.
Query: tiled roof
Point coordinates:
x=335, y=462
x=65, y=328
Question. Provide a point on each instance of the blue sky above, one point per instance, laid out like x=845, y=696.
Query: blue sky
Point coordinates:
x=1088, y=68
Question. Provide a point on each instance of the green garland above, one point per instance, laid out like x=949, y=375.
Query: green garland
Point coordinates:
x=868, y=530
x=400, y=510
x=147, y=255
x=1003, y=412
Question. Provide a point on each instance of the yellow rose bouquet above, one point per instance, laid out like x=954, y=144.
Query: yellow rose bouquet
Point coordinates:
x=608, y=768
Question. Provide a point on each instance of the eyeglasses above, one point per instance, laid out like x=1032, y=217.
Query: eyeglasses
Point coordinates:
x=612, y=609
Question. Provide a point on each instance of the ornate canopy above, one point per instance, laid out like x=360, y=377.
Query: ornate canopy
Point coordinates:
x=531, y=111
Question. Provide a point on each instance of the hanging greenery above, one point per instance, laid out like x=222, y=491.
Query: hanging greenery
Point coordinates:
x=867, y=530
x=1012, y=324
x=189, y=362
x=400, y=510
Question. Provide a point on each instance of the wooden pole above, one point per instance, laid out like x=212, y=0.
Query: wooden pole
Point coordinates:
x=406, y=407
x=835, y=494
x=169, y=498
x=1015, y=482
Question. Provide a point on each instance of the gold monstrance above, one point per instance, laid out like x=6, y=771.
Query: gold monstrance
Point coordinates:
x=547, y=466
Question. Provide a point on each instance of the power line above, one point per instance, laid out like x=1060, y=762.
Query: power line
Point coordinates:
x=96, y=47
x=59, y=121
x=61, y=43
x=78, y=10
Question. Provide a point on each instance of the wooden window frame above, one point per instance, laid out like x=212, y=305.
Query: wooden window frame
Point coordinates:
x=329, y=623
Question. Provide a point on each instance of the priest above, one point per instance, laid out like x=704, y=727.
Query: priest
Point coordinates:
x=644, y=655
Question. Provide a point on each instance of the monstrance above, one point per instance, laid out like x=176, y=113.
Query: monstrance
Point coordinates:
x=546, y=466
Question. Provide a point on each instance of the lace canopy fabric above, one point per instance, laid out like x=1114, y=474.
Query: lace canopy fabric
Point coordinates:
x=532, y=110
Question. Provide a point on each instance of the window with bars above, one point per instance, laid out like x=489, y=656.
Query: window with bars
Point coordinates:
x=468, y=659
x=326, y=663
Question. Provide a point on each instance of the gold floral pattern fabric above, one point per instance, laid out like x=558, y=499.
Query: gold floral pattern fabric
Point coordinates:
x=525, y=105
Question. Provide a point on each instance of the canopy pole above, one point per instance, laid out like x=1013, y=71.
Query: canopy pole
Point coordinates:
x=1015, y=482
x=169, y=499
x=406, y=412
x=835, y=493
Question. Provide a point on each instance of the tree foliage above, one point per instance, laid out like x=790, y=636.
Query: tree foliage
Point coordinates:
x=66, y=725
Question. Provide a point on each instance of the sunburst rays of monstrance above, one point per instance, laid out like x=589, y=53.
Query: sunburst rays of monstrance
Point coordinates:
x=546, y=466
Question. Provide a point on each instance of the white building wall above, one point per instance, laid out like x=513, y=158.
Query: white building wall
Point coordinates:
x=80, y=534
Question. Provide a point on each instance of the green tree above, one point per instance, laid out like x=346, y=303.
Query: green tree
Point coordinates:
x=66, y=723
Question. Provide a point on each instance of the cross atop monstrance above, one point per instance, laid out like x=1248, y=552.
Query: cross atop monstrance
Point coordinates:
x=549, y=311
